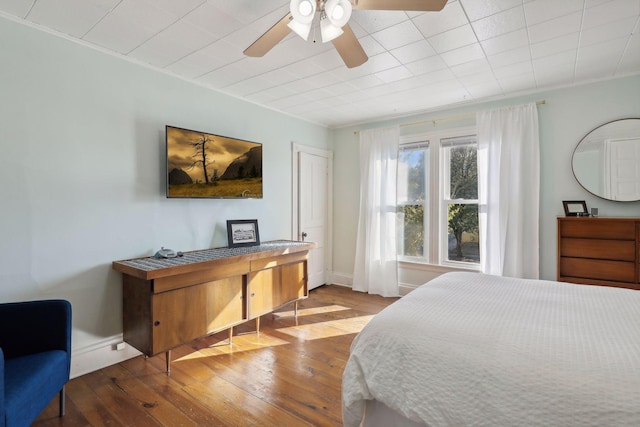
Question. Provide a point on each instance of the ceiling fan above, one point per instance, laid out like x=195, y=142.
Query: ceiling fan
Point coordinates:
x=334, y=15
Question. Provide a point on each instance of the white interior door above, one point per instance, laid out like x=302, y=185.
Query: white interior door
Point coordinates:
x=313, y=207
x=624, y=169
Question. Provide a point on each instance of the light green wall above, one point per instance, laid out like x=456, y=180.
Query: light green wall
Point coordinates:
x=82, y=172
x=568, y=115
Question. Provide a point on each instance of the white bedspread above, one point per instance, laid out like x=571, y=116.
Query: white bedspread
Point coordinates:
x=472, y=349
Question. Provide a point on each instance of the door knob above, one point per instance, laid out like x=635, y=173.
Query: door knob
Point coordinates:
x=304, y=234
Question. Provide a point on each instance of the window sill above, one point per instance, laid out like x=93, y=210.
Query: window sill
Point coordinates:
x=435, y=268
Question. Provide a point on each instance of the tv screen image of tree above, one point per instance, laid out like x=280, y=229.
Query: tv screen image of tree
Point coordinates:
x=203, y=165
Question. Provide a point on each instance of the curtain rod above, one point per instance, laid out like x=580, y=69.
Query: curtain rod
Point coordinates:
x=441, y=119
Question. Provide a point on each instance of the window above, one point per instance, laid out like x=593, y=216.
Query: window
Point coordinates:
x=438, y=199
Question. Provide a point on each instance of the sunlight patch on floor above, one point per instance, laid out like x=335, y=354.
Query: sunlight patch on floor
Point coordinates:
x=310, y=311
x=244, y=342
x=330, y=328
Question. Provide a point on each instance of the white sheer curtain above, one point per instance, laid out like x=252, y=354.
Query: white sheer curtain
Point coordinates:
x=376, y=264
x=509, y=190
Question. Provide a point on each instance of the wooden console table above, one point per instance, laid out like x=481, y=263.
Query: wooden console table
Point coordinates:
x=599, y=251
x=170, y=302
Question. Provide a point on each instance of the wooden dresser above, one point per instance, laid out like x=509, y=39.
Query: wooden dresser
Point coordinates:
x=599, y=251
x=170, y=302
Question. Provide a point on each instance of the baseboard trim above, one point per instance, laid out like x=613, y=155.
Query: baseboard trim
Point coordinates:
x=342, y=279
x=100, y=355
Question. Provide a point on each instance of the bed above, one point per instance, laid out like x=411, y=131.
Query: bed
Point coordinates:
x=473, y=349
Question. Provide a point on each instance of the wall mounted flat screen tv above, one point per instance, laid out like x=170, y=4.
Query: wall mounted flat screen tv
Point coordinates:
x=204, y=165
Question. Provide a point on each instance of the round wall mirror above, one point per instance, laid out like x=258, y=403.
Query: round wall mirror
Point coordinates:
x=606, y=162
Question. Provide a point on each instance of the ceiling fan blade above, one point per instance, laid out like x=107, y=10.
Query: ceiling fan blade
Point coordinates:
x=413, y=5
x=350, y=48
x=272, y=37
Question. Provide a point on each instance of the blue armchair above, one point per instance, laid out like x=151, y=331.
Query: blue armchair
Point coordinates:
x=35, y=358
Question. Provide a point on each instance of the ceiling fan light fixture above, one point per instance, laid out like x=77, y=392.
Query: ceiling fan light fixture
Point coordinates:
x=300, y=28
x=303, y=11
x=338, y=12
x=328, y=31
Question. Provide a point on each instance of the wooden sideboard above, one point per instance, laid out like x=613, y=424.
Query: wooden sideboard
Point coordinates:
x=169, y=302
x=599, y=251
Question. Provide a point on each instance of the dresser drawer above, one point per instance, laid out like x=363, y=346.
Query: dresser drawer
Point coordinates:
x=602, y=229
x=621, y=250
x=617, y=271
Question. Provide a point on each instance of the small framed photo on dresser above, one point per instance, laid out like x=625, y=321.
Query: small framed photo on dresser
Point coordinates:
x=575, y=208
x=243, y=232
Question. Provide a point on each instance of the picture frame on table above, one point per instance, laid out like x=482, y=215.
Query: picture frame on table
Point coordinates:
x=575, y=208
x=243, y=232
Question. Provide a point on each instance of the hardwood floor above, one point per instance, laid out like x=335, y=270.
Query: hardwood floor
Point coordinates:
x=288, y=375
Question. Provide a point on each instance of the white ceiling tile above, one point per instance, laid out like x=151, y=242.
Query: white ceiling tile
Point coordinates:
x=608, y=31
x=501, y=23
x=432, y=23
x=278, y=76
x=360, y=95
x=476, y=67
x=413, y=52
x=322, y=80
x=505, y=42
x=555, y=69
x=614, y=10
x=563, y=59
x=426, y=65
x=483, y=77
x=55, y=14
x=248, y=11
x=298, y=86
x=481, y=9
x=556, y=76
x=377, y=63
x=522, y=82
x=600, y=59
x=206, y=59
x=318, y=94
x=555, y=45
x=594, y=3
x=544, y=10
x=227, y=75
x=178, y=8
x=172, y=44
x=129, y=25
x=275, y=92
x=484, y=90
x=378, y=91
x=515, y=69
x=555, y=28
x=302, y=69
x=376, y=20
x=370, y=46
x=366, y=82
x=19, y=8
x=453, y=39
x=630, y=63
x=245, y=36
x=394, y=74
x=261, y=97
x=464, y=54
x=213, y=20
x=398, y=35
x=289, y=102
x=437, y=77
x=502, y=59
x=341, y=88
x=248, y=86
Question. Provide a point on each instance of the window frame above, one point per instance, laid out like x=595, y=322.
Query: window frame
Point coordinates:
x=435, y=251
